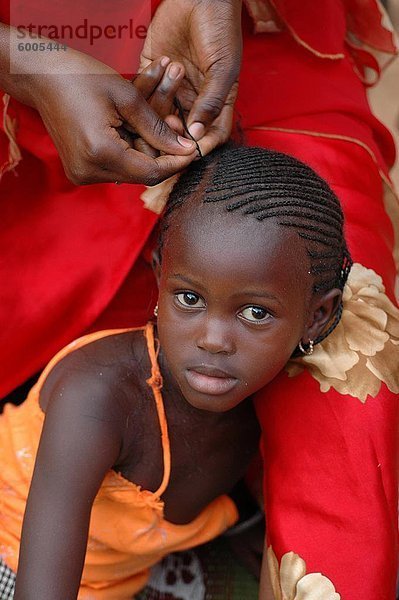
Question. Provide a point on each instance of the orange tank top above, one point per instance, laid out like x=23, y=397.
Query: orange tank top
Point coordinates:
x=128, y=533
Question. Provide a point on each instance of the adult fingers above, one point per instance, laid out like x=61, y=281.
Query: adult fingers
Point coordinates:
x=163, y=96
x=133, y=167
x=136, y=112
x=217, y=87
x=219, y=48
x=114, y=160
x=219, y=132
x=175, y=123
x=148, y=80
x=136, y=167
x=141, y=145
x=130, y=166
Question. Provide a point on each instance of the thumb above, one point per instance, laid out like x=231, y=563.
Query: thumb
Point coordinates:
x=219, y=131
x=221, y=79
x=210, y=101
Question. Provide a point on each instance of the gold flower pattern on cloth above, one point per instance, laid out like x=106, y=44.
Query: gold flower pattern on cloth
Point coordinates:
x=289, y=580
x=363, y=350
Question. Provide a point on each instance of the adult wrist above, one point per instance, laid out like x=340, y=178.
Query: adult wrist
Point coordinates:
x=20, y=71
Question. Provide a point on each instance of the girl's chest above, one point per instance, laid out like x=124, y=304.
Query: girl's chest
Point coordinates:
x=205, y=461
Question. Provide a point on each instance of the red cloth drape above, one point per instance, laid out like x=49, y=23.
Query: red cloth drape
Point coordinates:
x=330, y=459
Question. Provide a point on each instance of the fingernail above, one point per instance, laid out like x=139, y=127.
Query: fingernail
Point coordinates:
x=197, y=130
x=173, y=71
x=185, y=142
x=165, y=61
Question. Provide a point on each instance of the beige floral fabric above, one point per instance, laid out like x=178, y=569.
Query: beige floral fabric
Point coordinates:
x=363, y=351
x=289, y=580
x=155, y=197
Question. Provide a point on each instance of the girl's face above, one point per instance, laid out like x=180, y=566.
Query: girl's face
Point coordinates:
x=234, y=302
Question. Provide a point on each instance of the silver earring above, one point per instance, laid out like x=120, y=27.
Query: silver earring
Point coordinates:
x=307, y=351
x=156, y=310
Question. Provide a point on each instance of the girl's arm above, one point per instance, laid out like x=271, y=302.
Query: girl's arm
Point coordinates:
x=81, y=440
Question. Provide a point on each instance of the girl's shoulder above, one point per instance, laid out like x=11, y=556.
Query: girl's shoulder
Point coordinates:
x=106, y=364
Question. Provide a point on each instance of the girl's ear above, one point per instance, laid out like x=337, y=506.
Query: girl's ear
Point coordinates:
x=322, y=310
x=156, y=265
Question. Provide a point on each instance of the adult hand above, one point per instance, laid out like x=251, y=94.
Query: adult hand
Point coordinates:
x=205, y=36
x=83, y=104
x=159, y=88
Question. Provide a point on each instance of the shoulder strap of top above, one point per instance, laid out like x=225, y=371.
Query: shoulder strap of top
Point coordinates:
x=78, y=343
x=155, y=382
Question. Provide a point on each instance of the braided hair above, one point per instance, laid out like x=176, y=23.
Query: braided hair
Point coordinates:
x=267, y=184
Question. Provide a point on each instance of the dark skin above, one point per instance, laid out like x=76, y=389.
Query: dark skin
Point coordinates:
x=98, y=405
x=205, y=36
x=251, y=329
x=83, y=104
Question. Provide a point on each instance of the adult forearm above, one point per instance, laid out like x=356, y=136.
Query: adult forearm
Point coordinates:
x=25, y=75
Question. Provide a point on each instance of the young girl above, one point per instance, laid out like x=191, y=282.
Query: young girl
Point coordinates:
x=142, y=430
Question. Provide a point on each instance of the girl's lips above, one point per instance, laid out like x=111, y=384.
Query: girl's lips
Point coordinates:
x=209, y=383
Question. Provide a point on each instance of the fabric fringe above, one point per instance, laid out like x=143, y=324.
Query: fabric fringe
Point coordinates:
x=10, y=127
x=370, y=36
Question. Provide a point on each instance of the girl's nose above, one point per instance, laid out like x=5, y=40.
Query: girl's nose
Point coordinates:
x=216, y=336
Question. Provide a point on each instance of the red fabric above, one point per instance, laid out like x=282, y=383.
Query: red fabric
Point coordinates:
x=363, y=20
x=331, y=461
x=65, y=250
x=323, y=25
x=284, y=85
x=300, y=17
x=330, y=483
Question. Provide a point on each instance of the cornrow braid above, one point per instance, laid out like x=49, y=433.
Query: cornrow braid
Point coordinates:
x=265, y=184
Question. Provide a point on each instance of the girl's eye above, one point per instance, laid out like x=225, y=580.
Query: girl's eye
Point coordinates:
x=190, y=299
x=255, y=314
